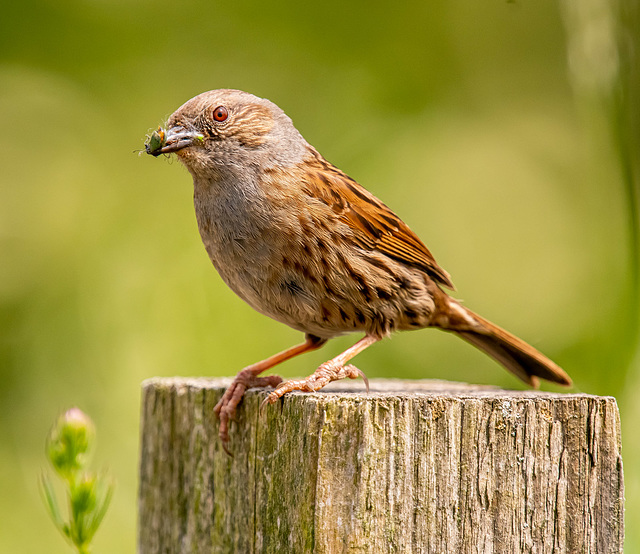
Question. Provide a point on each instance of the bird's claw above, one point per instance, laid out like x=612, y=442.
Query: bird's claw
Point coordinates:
x=325, y=374
x=361, y=374
x=226, y=407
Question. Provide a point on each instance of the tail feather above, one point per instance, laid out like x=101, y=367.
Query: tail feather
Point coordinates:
x=522, y=359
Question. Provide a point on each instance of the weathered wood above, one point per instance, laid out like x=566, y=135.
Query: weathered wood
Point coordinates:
x=414, y=466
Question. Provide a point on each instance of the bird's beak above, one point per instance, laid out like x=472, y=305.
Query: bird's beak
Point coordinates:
x=176, y=138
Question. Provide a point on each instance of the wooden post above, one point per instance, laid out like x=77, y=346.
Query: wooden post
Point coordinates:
x=412, y=467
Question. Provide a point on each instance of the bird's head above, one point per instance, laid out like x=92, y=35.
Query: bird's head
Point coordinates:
x=229, y=130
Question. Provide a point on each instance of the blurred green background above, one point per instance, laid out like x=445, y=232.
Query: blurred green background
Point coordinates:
x=503, y=133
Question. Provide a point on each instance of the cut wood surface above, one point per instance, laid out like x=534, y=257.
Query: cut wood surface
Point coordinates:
x=413, y=466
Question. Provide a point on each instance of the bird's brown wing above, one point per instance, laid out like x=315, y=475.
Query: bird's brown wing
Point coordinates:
x=374, y=225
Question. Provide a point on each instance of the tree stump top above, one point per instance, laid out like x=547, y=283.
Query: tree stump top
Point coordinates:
x=355, y=389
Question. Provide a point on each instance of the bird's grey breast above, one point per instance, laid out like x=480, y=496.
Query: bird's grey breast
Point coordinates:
x=236, y=231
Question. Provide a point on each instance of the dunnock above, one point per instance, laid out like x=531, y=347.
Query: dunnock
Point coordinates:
x=303, y=243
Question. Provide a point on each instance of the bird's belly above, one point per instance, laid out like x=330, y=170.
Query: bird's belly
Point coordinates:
x=323, y=298
x=263, y=281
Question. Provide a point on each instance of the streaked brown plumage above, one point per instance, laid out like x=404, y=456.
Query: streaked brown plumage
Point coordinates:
x=303, y=243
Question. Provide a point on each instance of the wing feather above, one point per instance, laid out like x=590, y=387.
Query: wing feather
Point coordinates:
x=374, y=225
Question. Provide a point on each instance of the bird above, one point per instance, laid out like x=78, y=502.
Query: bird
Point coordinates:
x=305, y=244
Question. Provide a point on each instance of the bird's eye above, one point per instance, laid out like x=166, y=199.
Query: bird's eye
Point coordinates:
x=220, y=114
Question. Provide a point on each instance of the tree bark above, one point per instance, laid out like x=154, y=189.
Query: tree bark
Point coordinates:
x=414, y=466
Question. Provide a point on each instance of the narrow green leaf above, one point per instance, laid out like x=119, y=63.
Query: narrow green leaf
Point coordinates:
x=49, y=498
x=102, y=504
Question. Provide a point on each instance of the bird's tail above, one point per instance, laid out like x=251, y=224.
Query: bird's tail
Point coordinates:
x=522, y=359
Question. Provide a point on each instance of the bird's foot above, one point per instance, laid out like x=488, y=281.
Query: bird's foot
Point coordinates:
x=326, y=373
x=225, y=409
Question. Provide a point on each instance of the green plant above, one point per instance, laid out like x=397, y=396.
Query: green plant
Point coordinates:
x=88, y=493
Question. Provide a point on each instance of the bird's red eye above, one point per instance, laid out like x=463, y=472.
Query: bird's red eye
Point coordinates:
x=220, y=113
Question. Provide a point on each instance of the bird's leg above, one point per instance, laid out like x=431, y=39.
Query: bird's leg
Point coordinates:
x=333, y=370
x=225, y=409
